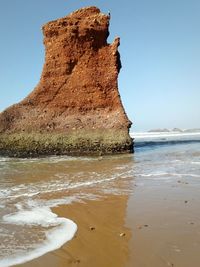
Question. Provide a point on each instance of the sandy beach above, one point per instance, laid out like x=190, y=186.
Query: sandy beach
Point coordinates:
x=151, y=227
x=102, y=238
x=139, y=210
x=100, y=134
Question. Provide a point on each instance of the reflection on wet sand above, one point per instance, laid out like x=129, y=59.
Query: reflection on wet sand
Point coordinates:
x=164, y=218
x=102, y=238
x=131, y=211
x=91, y=192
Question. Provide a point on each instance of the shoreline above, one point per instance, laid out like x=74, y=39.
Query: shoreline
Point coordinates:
x=102, y=238
x=153, y=222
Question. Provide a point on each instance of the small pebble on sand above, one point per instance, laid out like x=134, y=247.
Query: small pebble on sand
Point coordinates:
x=122, y=234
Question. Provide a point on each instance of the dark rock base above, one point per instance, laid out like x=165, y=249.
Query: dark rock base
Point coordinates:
x=74, y=143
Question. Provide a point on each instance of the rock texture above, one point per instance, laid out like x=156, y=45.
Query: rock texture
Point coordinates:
x=76, y=107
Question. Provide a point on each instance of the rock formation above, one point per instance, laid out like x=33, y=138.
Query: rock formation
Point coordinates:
x=76, y=107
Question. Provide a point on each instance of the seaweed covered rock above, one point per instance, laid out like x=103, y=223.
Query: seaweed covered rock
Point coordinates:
x=76, y=107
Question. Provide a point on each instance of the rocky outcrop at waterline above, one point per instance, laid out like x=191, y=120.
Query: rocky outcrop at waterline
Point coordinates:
x=76, y=107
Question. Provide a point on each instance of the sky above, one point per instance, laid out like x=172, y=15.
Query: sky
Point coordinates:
x=159, y=82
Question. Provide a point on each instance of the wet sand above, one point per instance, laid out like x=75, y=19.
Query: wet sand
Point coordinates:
x=156, y=226
x=164, y=218
x=154, y=223
x=102, y=238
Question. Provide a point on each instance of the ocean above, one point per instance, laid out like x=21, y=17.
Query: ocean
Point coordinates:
x=161, y=180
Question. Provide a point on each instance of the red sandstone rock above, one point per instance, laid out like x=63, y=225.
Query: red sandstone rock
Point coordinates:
x=77, y=94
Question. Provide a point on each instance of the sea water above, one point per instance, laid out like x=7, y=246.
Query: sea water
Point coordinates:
x=30, y=188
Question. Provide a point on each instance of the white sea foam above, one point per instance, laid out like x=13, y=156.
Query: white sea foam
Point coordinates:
x=2, y=159
x=190, y=175
x=63, y=230
x=58, y=185
x=36, y=216
x=54, y=159
x=195, y=162
x=154, y=174
x=59, y=201
x=80, y=197
x=168, y=174
x=143, y=135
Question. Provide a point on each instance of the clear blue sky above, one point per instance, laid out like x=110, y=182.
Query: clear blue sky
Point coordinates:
x=160, y=52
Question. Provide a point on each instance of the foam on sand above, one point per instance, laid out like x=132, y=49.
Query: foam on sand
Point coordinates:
x=61, y=230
